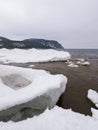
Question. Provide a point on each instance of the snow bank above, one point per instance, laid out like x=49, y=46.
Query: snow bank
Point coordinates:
x=32, y=55
x=93, y=96
x=54, y=119
x=34, y=89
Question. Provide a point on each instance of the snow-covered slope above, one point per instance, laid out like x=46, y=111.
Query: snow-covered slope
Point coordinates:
x=32, y=55
x=54, y=119
x=34, y=89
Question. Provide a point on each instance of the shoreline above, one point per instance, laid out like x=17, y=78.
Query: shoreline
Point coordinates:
x=80, y=80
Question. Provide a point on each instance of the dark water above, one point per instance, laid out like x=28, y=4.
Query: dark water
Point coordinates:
x=80, y=80
x=86, y=53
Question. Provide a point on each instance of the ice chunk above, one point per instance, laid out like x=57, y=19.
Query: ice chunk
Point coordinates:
x=30, y=66
x=94, y=113
x=93, y=96
x=73, y=65
x=38, y=90
x=85, y=63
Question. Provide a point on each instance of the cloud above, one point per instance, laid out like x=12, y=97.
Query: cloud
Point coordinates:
x=71, y=22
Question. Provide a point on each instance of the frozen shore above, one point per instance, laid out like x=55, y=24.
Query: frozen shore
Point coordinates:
x=80, y=80
x=32, y=55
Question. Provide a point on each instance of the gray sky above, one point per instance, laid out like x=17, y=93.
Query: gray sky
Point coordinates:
x=74, y=23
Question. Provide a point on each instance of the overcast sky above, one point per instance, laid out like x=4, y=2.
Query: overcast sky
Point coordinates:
x=74, y=23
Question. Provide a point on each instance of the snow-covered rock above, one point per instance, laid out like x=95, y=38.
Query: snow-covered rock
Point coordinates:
x=54, y=119
x=27, y=92
x=93, y=96
x=32, y=55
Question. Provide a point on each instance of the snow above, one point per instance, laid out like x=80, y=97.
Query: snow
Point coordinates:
x=93, y=96
x=31, y=83
x=73, y=65
x=20, y=85
x=54, y=119
x=32, y=55
x=94, y=113
x=80, y=59
x=84, y=63
x=30, y=66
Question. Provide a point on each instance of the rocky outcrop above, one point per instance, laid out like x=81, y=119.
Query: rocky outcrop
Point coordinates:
x=29, y=43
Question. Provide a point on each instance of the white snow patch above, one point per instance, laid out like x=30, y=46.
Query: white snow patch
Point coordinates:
x=84, y=63
x=30, y=66
x=72, y=65
x=32, y=55
x=33, y=82
x=94, y=113
x=80, y=59
x=93, y=96
x=54, y=119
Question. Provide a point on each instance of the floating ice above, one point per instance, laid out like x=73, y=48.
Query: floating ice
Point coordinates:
x=84, y=63
x=93, y=96
x=30, y=66
x=94, y=113
x=80, y=59
x=69, y=63
x=72, y=65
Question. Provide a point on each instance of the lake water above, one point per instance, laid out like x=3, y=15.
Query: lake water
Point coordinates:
x=80, y=80
x=86, y=53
